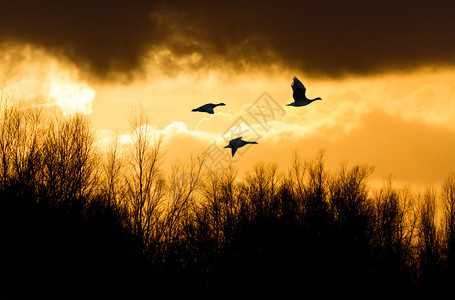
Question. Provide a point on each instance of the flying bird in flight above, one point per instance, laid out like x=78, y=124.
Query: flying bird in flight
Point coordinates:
x=208, y=108
x=237, y=143
x=298, y=94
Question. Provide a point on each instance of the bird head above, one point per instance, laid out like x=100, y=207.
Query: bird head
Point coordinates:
x=228, y=146
x=221, y=104
x=318, y=98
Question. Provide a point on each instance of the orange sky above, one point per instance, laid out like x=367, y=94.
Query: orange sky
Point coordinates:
x=397, y=114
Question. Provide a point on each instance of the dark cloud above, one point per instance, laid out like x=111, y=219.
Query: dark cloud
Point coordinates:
x=104, y=36
x=327, y=38
x=333, y=37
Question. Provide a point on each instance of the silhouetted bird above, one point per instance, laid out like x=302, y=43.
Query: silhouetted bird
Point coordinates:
x=208, y=108
x=299, y=94
x=236, y=144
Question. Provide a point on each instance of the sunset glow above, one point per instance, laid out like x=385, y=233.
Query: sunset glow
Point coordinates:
x=72, y=97
x=110, y=88
x=418, y=106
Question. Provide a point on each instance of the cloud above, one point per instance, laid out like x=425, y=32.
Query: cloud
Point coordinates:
x=32, y=74
x=98, y=35
x=72, y=97
x=328, y=38
x=431, y=103
x=175, y=131
x=413, y=152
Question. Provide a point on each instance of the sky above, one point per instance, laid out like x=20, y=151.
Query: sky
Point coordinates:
x=384, y=69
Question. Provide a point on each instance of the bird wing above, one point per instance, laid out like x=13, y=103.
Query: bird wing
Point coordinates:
x=210, y=110
x=233, y=151
x=235, y=144
x=235, y=141
x=298, y=90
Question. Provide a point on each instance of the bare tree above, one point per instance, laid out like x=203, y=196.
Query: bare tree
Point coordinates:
x=296, y=184
x=145, y=183
x=393, y=224
x=217, y=213
x=69, y=161
x=297, y=172
x=8, y=126
x=315, y=205
x=261, y=189
x=428, y=237
x=185, y=181
x=20, y=143
x=348, y=191
x=308, y=182
x=112, y=169
x=448, y=201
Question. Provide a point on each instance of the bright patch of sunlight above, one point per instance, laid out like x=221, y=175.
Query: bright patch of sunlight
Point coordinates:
x=72, y=97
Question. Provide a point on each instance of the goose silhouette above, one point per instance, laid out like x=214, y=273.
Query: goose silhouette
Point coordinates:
x=298, y=94
x=208, y=108
x=237, y=143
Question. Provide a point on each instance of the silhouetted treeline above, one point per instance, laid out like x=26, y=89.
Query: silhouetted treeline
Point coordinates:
x=77, y=221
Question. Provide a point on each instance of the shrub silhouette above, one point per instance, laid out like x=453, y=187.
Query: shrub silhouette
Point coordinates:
x=80, y=222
